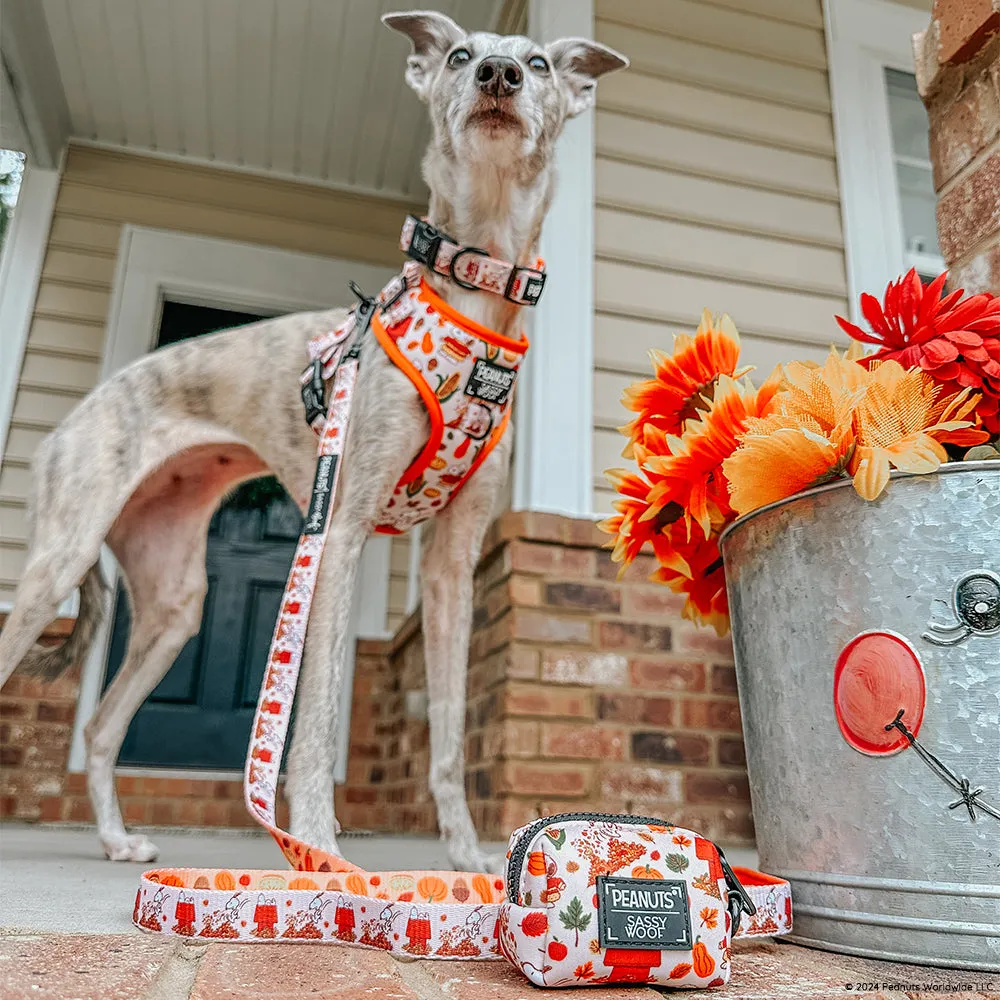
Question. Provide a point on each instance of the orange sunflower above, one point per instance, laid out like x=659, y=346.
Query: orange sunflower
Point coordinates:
x=693, y=566
x=683, y=381
x=691, y=476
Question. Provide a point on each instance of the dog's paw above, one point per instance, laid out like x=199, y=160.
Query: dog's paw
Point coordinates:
x=135, y=847
x=474, y=859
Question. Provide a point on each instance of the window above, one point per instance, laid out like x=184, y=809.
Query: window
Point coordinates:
x=882, y=139
x=914, y=174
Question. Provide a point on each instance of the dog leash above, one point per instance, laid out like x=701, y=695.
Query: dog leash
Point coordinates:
x=432, y=914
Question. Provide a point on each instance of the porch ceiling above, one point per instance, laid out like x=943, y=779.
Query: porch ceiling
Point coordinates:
x=308, y=88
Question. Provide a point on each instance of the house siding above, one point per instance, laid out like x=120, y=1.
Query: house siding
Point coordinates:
x=716, y=186
x=101, y=191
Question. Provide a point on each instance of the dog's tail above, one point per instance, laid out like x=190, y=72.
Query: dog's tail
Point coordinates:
x=48, y=662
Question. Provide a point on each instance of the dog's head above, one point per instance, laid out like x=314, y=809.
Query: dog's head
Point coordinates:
x=498, y=98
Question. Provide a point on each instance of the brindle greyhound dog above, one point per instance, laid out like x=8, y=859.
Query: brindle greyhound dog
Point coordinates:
x=146, y=458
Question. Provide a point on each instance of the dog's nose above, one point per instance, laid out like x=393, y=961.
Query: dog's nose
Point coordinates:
x=499, y=75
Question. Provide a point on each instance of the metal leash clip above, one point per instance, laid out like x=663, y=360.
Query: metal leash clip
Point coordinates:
x=739, y=899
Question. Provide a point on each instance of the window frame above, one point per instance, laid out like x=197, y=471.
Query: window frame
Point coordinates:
x=864, y=38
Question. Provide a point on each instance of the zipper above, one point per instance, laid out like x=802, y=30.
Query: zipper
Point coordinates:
x=517, y=856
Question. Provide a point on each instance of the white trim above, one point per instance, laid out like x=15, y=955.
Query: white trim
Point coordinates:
x=553, y=454
x=20, y=272
x=156, y=264
x=864, y=37
x=413, y=571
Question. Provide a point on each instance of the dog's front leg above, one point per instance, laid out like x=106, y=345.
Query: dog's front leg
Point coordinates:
x=381, y=443
x=448, y=567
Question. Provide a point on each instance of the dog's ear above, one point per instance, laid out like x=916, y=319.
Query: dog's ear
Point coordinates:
x=578, y=63
x=432, y=35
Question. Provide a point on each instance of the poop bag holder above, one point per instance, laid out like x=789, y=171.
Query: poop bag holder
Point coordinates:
x=594, y=898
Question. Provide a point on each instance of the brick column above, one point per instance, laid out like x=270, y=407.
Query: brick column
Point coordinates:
x=958, y=75
x=585, y=693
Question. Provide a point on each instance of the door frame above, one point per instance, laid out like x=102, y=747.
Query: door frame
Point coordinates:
x=155, y=264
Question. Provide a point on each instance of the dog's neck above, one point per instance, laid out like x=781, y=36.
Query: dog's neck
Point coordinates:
x=494, y=207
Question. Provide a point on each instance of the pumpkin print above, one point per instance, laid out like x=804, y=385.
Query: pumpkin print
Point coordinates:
x=481, y=886
x=400, y=883
x=356, y=884
x=432, y=889
x=536, y=863
x=271, y=882
x=302, y=883
x=644, y=871
x=704, y=964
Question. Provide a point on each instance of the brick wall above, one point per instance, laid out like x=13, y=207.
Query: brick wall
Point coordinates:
x=958, y=74
x=584, y=693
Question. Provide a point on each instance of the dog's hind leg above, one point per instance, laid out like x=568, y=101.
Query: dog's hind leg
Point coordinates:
x=448, y=567
x=160, y=543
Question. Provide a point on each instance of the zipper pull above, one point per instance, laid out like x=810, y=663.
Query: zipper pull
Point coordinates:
x=739, y=899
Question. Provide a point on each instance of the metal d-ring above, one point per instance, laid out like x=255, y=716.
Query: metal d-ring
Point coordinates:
x=461, y=253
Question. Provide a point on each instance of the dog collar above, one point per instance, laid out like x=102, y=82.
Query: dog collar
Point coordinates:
x=471, y=267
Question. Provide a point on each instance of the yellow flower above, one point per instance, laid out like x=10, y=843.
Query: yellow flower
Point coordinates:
x=900, y=423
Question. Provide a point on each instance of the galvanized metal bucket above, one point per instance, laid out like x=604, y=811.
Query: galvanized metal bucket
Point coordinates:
x=881, y=864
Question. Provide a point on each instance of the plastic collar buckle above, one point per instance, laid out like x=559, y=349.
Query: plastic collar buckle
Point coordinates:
x=534, y=283
x=739, y=900
x=424, y=244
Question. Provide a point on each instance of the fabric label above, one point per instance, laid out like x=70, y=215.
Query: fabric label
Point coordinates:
x=490, y=383
x=319, y=502
x=643, y=913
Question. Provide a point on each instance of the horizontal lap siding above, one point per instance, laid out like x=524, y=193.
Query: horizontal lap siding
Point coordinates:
x=716, y=187
x=99, y=193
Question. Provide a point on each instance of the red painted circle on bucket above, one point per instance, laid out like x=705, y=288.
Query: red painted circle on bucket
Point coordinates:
x=877, y=674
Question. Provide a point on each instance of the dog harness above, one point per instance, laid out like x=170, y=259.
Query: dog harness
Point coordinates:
x=464, y=372
x=465, y=375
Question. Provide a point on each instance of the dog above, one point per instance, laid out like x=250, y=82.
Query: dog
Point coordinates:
x=145, y=459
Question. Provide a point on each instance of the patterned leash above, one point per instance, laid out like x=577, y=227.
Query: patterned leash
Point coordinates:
x=432, y=914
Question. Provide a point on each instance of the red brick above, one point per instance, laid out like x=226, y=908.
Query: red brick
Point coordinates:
x=651, y=602
x=54, y=712
x=560, y=739
x=964, y=27
x=670, y=748
x=135, y=810
x=979, y=274
x=535, y=699
x=714, y=713
x=76, y=783
x=730, y=824
x=640, y=783
x=524, y=778
x=961, y=128
x=537, y=625
x=723, y=679
x=80, y=811
x=694, y=639
x=162, y=813
x=524, y=590
x=552, y=560
x=522, y=661
x=969, y=212
x=520, y=738
x=716, y=788
x=586, y=596
x=577, y=667
x=10, y=709
x=638, y=570
x=215, y=813
x=633, y=636
x=667, y=675
x=52, y=809
x=731, y=752
x=635, y=708
x=11, y=756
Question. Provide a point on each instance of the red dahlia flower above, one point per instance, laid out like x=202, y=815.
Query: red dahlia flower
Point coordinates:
x=955, y=340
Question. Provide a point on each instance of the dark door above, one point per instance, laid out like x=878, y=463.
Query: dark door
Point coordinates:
x=200, y=713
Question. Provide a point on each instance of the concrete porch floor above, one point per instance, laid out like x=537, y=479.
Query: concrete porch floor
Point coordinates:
x=66, y=934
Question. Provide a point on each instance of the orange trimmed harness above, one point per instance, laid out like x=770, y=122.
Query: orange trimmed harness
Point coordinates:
x=464, y=372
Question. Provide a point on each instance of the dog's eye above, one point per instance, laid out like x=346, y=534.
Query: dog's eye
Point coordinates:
x=459, y=58
x=539, y=64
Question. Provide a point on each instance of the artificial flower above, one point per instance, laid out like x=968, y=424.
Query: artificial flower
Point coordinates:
x=691, y=476
x=956, y=340
x=694, y=567
x=902, y=421
x=683, y=381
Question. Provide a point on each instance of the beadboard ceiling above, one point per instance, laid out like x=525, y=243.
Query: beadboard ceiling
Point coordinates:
x=305, y=88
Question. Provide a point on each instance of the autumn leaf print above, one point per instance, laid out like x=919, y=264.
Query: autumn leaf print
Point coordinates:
x=709, y=918
x=574, y=919
x=535, y=924
x=682, y=841
x=676, y=862
x=557, y=836
x=707, y=885
x=584, y=971
x=680, y=971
